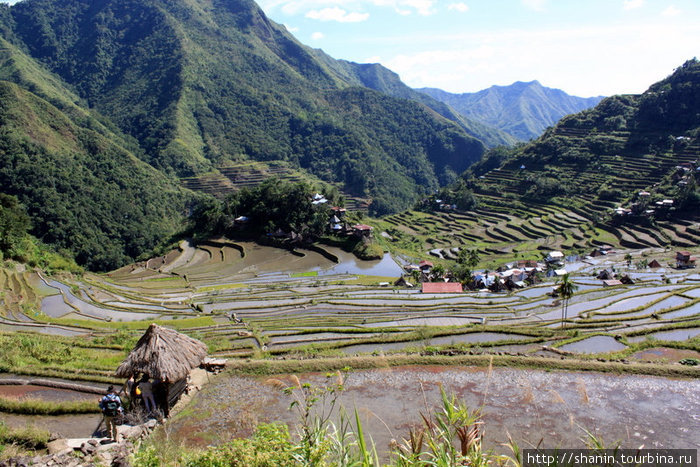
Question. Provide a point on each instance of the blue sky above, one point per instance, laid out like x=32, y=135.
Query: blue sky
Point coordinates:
x=585, y=47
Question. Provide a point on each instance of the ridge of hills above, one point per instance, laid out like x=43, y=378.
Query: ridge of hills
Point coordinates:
x=200, y=85
x=522, y=109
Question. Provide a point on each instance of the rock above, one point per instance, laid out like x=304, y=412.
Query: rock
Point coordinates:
x=58, y=446
x=87, y=449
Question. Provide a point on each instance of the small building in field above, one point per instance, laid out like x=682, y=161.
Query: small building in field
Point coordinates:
x=555, y=257
x=612, y=283
x=684, y=260
x=654, y=264
x=441, y=287
x=605, y=274
x=425, y=265
x=167, y=357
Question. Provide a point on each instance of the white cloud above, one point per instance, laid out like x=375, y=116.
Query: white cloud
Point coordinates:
x=337, y=14
x=671, y=11
x=461, y=7
x=291, y=28
x=317, y=36
x=586, y=61
x=632, y=4
x=294, y=7
x=537, y=5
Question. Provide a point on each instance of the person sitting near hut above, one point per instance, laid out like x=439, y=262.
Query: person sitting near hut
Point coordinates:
x=111, y=406
x=146, y=388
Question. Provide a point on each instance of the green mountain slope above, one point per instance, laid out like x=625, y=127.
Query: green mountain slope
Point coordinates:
x=522, y=110
x=603, y=176
x=199, y=84
x=380, y=78
x=599, y=160
x=85, y=192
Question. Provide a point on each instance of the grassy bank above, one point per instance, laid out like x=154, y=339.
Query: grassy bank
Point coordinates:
x=41, y=407
x=266, y=367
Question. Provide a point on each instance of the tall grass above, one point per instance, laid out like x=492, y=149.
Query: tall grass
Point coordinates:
x=29, y=437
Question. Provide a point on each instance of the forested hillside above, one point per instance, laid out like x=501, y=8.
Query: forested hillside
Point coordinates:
x=201, y=84
x=522, y=110
x=84, y=190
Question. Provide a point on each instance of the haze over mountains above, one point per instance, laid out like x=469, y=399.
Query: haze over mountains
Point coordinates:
x=523, y=110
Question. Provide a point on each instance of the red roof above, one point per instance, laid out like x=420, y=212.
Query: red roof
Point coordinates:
x=425, y=263
x=441, y=287
x=361, y=227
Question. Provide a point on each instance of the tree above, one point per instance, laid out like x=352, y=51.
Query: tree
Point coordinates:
x=14, y=222
x=565, y=291
x=628, y=259
x=438, y=272
x=469, y=257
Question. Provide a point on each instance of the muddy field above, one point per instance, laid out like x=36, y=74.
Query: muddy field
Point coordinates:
x=549, y=408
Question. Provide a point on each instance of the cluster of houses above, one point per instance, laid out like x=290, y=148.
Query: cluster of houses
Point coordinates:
x=684, y=174
x=508, y=277
x=522, y=273
x=642, y=208
x=337, y=225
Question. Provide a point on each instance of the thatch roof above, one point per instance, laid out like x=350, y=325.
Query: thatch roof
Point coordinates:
x=164, y=354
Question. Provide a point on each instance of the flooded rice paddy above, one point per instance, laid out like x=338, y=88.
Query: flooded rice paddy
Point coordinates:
x=595, y=344
x=532, y=405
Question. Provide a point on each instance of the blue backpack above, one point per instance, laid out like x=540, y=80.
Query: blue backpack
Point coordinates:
x=111, y=405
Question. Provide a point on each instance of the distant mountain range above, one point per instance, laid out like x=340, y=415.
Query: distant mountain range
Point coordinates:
x=522, y=110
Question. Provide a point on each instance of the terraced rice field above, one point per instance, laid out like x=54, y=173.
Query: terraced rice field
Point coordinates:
x=503, y=190
x=243, y=299
x=228, y=179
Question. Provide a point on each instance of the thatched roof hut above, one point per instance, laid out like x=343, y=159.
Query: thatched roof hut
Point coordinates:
x=163, y=354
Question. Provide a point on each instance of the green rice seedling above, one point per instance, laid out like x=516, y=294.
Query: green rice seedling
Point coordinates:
x=41, y=407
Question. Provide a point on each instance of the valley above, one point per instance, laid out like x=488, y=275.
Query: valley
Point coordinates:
x=476, y=272
x=271, y=311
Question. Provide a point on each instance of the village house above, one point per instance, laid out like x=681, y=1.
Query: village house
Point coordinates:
x=362, y=230
x=425, y=266
x=555, y=257
x=612, y=283
x=318, y=198
x=336, y=226
x=338, y=211
x=684, y=260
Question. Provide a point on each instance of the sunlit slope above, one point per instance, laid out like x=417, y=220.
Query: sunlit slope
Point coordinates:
x=202, y=84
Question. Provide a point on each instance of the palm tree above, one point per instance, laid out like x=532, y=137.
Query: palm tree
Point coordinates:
x=565, y=291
